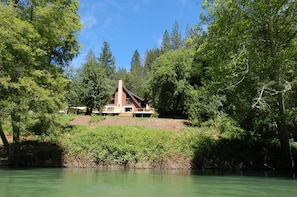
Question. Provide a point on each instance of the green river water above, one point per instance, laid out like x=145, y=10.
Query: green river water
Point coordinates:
x=114, y=183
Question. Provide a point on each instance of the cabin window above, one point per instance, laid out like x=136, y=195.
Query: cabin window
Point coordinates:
x=128, y=101
x=128, y=109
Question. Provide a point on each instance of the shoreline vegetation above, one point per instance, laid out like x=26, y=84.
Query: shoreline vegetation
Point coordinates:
x=139, y=147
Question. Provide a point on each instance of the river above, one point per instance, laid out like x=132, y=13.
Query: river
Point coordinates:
x=120, y=183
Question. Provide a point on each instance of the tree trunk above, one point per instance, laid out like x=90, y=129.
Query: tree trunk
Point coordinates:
x=4, y=139
x=286, y=158
x=89, y=111
x=14, y=156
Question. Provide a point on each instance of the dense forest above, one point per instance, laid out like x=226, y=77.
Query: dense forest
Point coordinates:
x=235, y=69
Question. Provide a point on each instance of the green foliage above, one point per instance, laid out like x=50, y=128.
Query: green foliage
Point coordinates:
x=58, y=24
x=90, y=86
x=120, y=145
x=126, y=145
x=166, y=42
x=122, y=74
x=135, y=80
x=131, y=146
x=203, y=106
x=107, y=60
x=64, y=119
x=150, y=57
x=172, y=41
x=251, y=64
x=176, y=40
x=168, y=83
x=226, y=126
x=189, y=143
x=36, y=38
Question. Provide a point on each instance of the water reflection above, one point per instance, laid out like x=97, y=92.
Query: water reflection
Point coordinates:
x=96, y=182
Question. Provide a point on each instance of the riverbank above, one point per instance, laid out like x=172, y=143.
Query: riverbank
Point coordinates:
x=136, y=143
x=71, y=146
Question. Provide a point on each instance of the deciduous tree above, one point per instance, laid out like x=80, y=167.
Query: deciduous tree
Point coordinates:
x=37, y=39
x=251, y=48
x=169, y=82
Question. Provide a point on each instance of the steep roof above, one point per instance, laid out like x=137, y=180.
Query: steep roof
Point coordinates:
x=137, y=99
x=134, y=97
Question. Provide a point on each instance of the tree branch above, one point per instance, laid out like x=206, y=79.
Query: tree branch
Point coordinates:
x=259, y=97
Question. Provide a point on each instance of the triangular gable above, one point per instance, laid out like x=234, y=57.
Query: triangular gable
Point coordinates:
x=137, y=106
x=138, y=100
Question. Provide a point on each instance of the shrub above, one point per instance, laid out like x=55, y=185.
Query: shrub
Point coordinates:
x=226, y=126
x=120, y=145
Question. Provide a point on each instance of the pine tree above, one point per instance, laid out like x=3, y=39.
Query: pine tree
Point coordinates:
x=150, y=57
x=166, y=45
x=176, y=40
x=135, y=80
x=136, y=66
x=90, y=87
x=107, y=60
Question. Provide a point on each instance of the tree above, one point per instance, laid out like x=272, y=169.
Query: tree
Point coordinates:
x=136, y=66
x=150, y=57
x=35, y=41
x=107, y=60
x=90, y=87
x=191, y=34
x=135, y=81
x=169, y=86
x=166, y=43
x=251, y=48
x=49, y=19
x=176, y=40
x=122, y=74
x=16, y=60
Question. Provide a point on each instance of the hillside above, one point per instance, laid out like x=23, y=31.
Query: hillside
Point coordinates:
x=176, y=125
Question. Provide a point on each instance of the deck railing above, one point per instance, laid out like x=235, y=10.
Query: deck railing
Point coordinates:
x=144, y=110
x=139, y=110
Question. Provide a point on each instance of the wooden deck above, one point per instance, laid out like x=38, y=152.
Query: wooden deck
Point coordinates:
x=126, y=114
x=139, y=112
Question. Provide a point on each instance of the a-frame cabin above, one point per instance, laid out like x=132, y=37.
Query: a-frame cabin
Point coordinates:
x=126, y=103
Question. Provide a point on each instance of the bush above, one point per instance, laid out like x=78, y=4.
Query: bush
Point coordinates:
x=118, y=145
x=126, y=145
x=226, y=126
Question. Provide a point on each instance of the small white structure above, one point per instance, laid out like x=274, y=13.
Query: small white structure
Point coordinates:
x=76, y=110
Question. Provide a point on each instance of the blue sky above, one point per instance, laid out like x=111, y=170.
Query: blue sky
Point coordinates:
x=128, y=25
